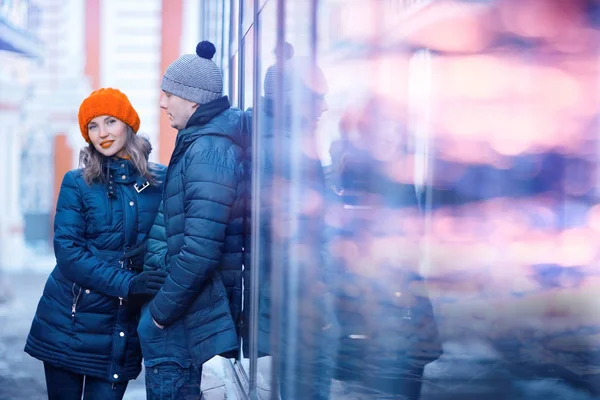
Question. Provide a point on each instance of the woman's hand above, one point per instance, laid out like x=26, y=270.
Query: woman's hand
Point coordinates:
x=147, y=283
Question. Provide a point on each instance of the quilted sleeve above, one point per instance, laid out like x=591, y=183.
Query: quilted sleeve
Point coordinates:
x=73, y=258
x=156, y=251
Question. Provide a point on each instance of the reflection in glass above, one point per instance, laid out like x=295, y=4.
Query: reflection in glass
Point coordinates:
x=388, y=330
x=246, y=102
x=292, y=221
x=267, y=37
x=234, y=24
x=446, y=196
x=248, y=15
x=234, y=80
x=248, y=65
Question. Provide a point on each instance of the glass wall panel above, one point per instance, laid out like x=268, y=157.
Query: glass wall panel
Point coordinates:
x=226, y=33
x=226, y=82
x=248, y=15
x=234, y=23
x=234, y=80
x=246, y=102
x=225, y=47
x=248, y=65
x=295, y=308
x=347, y=223
x=218, y=32
x=427, y=199
x=267, y=35
x=298, y=26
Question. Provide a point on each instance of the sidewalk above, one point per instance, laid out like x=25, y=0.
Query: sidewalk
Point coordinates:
x=22, y=377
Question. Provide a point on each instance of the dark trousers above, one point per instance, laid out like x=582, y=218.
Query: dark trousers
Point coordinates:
x=65, y=385
x=169, y=381
x=406, y=386
x=306, y=371
x=304, y=381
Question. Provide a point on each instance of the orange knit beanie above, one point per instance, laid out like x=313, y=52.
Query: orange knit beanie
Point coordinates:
x=107, y=101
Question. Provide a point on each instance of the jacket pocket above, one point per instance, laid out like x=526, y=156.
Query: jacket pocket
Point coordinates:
x=153, y=340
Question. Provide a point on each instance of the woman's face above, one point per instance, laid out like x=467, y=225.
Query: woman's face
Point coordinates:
x=108, y=135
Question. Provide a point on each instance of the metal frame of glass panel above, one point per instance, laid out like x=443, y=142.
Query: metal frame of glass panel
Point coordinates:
x=275, y=250
x=256, y=182
x=233, y=53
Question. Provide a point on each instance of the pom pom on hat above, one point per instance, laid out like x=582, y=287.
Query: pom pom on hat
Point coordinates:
x=206, y=49
x=107, y=101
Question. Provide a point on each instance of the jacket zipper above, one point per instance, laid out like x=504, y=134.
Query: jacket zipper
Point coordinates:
x=75, y=300
x=125, y=226
x=111, y=187
x=109, y=205
x=120, y=298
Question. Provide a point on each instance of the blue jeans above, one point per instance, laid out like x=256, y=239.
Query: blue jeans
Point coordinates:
x=170, y=381
x=65, y=385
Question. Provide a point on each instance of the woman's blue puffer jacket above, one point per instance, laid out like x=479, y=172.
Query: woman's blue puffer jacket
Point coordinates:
x=84, y=322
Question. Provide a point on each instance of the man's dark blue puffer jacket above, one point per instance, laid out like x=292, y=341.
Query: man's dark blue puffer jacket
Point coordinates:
x=203, y=225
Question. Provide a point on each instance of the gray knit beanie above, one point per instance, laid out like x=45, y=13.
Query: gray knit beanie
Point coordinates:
x=195, y=77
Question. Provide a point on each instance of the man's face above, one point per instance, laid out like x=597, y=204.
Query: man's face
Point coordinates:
x=312, y=107
x=178, y=110
x=319, y=106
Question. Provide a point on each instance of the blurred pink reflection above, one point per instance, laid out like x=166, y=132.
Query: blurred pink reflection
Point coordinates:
x=512, y=241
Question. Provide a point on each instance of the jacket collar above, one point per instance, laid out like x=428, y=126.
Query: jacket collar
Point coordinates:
x=205, y=112
x=202, y=116
x=123, y=171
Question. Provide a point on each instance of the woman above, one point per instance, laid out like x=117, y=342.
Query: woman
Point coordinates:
x=85, y=326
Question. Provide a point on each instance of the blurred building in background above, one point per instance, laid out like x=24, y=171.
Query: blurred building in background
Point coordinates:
x=21, y=51
x=53, y=53
x=57, y=83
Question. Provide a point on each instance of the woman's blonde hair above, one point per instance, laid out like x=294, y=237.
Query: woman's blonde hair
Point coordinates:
x=137, y=147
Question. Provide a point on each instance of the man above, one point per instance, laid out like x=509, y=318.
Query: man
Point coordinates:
x=198, y=235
